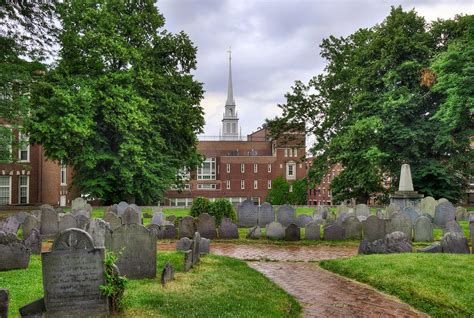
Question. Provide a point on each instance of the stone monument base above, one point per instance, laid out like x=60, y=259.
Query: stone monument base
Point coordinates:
x=406, y=198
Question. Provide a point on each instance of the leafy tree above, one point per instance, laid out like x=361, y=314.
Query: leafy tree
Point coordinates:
x=222, y=208
x=278, y=194
x=299, y=195
x=200, y=205
x=122, y=106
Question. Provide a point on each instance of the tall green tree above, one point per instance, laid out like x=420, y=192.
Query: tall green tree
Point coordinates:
x=278, y=194
x=122, y=106
x=299, y=193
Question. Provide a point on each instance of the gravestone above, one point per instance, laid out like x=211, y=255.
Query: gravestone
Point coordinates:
x=136, y=250
x=340, y=218
x=452, y=226
x=72, y=275
x=113, y=219
x=186, y=227
x=334, y=232
x=373, y=228
x=395, y=242
x=401, y=223
x=362, y=210
x=67, y=222
x=49, y=222
x=411, y=212
x=266, y=215
x=286, y=215
x=171, y=218
x=312, y=231
x=471, y=232
x=442, y=200
x=206, y=226
x=130, y=216
x=254, y=232
x=391, y=209
x=184, y=244
x=167, y=275
x=342, y=208
x=444, y=212
x=3, y=303
x=196, y=248
x=292, y=233
x=423, y=230
x=97, y=229
x=204, y=246
x=33, y=242
x=247, y=214
x=79, y=204
x=461, y=214
x=228, y=230
x=188, y=260
x=353, y=228
x=158, y=218
x=163, y=231
x=302, y=220
x=21, y=216
x=428, y=205
x=452, y=242
x=11, y=225
x=14, y=254
x=275, y=230
x=112, y=208
x=82, y=221
x=471, y=217
x=137, y=209
x=433, y=248
x=31, y=222
x=121, y=207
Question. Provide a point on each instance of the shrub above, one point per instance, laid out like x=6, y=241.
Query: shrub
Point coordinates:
x=222, y=208
x=279, y=193
x=299, y=196
x=200, y=205
x=114, y=283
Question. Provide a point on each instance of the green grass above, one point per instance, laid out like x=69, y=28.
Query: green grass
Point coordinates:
x=442, y=285
x=218, y=287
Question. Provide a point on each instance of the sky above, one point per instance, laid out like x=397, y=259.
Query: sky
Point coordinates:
x=274, y=43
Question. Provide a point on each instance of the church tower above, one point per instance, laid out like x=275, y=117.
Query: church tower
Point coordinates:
x=230, y=122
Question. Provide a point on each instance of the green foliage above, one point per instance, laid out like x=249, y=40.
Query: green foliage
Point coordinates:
x=278, y=194
x=200, y=205
x=299, y=195
x=222, y=208
x=121, y=106
x=115, y=285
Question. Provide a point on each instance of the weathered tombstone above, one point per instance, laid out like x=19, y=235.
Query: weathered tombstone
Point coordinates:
x=158, y=218
x=11, y=225
x=452, y=226
x=461, y=214
x=33, y=242
x=395, y=242
x=228, y=230
x=80, y=204
x=292, y=233
x=72, y=275
x=121, y=207
x=130, y=216
x=266, y=215
x=334, y=232
x=411, y=212
x=362, y=210
x=49, y=222
x=471, y=217
x=113, y=219
x=373, y=228
x=322, y=212
x=163, y=231
x=67, y=222
x=3, y=303
x=35, y=309
x=137, y=209
x=312, y=231
x=433, y=248
x=30, y=223
x=401, y=223
x=342, y=208
x=391, y=209
x=442, y=200
x=206, y=226
x=423, y=230
x=340, y=218
x=136, y=250
x=184, y=244
x=171, y=218
x=471, y=232
x=196, y=248
x=204, y=246
x=97, y=229
x=186, y=227
x=14, y=254
x=427, y=205
x=452, y=242
x=275, y=230
x=112, y=208
x=247, y=213
x=167, y=275
x=286, y=215
x=302, y=220
x=82, y=221
x=444, y=212
x=254, y=232
x=353, y=228
x=188, y=260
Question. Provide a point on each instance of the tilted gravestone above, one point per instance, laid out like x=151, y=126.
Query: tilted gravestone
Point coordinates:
x=121, y=207
x=444, y=213
x=312, y=231
x=167, y=275
x=275, y=230
x=33, y=242
x=373, y=228
x=186, y=227
x=247, y=213
x=131, y=216
x=228, y=229
x=452, y=226
x=401, y=223
x=31, y=222
x=3, y=303
x=196, y=248
x=184, y=244
x=452, y=242
x=135, y=247
x=206, y=226
x=67, y=222
x=11, y=225
x=14, y=254
x=97, y=229
x=362, y=210
x=113, y=219
x=302, y=220
x=334, y=232
x=158, y=218
x=395, y=242
x=72, y=275
x=266, y=215
x=428, y=205
x=410, y=212
x=423, y=230
x=353, y=228
x=188, y=260
x=254, y=232
x=82, y=221
x=286, y=215
x=292, y=233
x=49, y=222
x=461, y=214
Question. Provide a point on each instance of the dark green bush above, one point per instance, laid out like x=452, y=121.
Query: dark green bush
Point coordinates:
x=115, y=284
x=200, y=205
x=222, y=208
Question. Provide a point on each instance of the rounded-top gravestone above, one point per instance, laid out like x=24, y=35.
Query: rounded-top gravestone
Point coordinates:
x=275, y=230
x=206, y=226
x=292, y=233
x=353, y=228
x=286, y=215
x=423, y=229
x=362, y=210
x=228, y=230
x=428, y=205
x=401, y=223
x=312, y=231
x=186, y=227
x=247, y=214
x=444, y=213
x=266, y=215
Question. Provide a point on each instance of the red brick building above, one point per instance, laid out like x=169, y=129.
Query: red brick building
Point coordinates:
x=320, y=194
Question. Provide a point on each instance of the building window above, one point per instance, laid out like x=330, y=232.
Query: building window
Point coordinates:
x=23, y=183
x=207, y=186
x=269, y=167
x=255, y=168
x=295, y=152
x=242, y=167
x=228, y=184
x=286, y=152
x=290, y=152
x=24, y=151
x=63, y=175
x=227, y=167
x=242, y=184
x=208, y=170
x=255, y=184
x=5, y=190
x=269, y=184
x=291, y=188
x=291, y=171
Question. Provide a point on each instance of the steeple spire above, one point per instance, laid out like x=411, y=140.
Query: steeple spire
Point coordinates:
x=230, y=90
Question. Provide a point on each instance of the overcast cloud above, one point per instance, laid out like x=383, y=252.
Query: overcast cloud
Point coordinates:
x=274, y=43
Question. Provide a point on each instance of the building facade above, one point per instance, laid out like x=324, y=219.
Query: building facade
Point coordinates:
x=321, y=194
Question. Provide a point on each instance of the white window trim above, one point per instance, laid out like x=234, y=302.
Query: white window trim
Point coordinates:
x=286, y=152
x=212, y=172
x=9, y=189
x=288, y=176
x=27, y=189
x=228, y=184
x=242, y=184
x=269, y=184
x=228, y=167
x=63, y=168
x=20, y=137
x=295, y=152
x=242, y=168
x=255, y=168
x=269, y=167
x=255, y=184
x=212, y=186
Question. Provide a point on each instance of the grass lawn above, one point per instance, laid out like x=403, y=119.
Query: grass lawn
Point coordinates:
x=440, y=285
x=217, y=287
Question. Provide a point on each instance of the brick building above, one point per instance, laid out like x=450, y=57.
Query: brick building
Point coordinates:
x=320, y=194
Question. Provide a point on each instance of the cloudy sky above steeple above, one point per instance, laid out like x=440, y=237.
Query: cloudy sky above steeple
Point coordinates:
x=274, y=43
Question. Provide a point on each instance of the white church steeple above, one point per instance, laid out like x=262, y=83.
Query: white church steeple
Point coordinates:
x=230, y=122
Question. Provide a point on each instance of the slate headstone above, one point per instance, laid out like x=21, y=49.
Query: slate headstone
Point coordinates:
x=353, y=228
x=158, y=218
x=82, y=221
x=292, y=233
x=322, y=212
x=11, y=225
x=188, y=260
x=452, y=242
x=80, y=204
x=362, y=210
x=49, y=222
x=334, y=232
x=266, y=215
x=163, y=231
x=14, y=254
x=401, y=223
x=423, y=230
x=442, y=200
x=31, y=222
x=67, y=222
x=342, y=208
x=204, y=246
x=186, y=227
x=391, y=209
x=113, y=219
x=428, y=205
x=35, y=309
x=206, y=226
x=312, y=231
x=228, y=229
x=167, y=275
x=121, y=207
x=286, y=215
x=452, y=226
x=196, y=248
x=461, y=214
x=433, y=248
x=4, y=303
x=411, y=212
x=33, y=242
x=247, y=214
x=131, y=216
x=275, y=230
x=373, y=228
x=444, y=213
x=97, y=229
x=184, y=244
x=303, y=219
x=254, y=232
